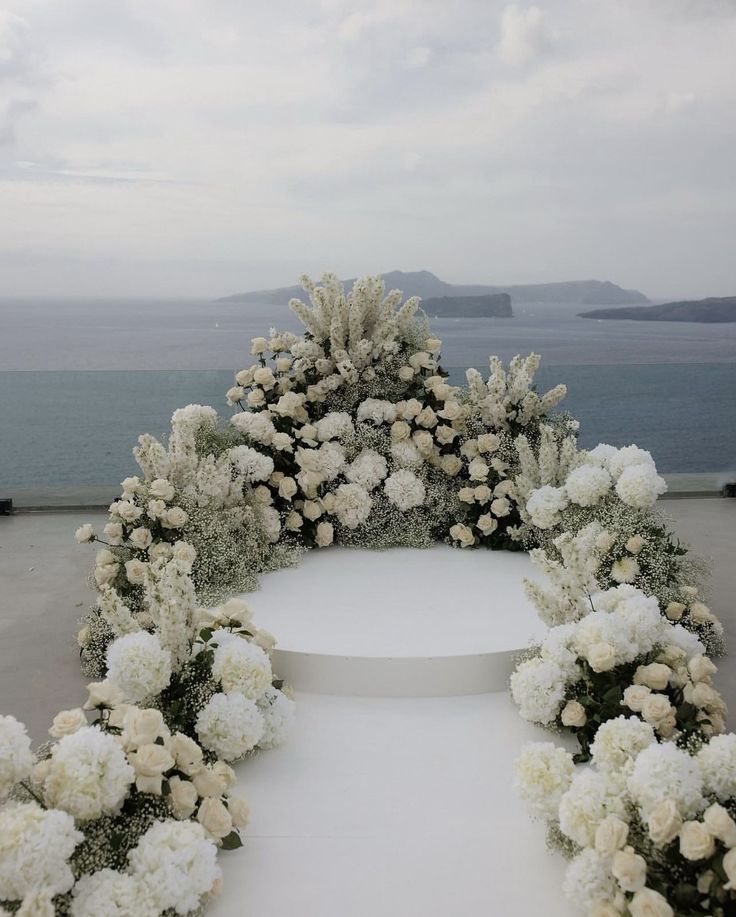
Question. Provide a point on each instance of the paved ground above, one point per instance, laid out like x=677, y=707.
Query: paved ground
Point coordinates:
x=43, y=594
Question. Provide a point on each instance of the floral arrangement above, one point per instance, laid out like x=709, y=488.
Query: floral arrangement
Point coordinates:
x=351, y=434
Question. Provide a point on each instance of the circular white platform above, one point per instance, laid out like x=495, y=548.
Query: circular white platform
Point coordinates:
x=402, y=622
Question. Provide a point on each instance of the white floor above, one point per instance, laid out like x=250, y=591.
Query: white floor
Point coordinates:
x=398, y=807
x=394, y=806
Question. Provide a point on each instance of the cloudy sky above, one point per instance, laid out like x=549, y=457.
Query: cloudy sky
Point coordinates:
x=198, y=147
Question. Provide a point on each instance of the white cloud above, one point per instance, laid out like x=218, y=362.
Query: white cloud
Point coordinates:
x=524, y=34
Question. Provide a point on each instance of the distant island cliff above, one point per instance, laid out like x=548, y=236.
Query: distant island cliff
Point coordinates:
x=429, y=286
x=714, y=309
x=494, y=305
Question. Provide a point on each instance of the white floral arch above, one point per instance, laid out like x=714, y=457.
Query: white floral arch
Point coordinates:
x=352, y=434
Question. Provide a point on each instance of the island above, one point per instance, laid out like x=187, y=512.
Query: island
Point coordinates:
x=429, y=286
x=494, y=305
x=707, y=311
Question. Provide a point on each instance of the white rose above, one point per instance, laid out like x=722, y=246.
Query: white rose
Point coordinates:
x=114, y=532
x=84, y=534
x=187, y=754
x=214, y=818
x=656, y=707
x=406, y=373
x=720, y=824
x=451, y=464
x=142, y=727
x=141, y=538
x=287, y=488
x=462, y=534
x=131, y=485
x=210, y=782
x=488, y=442
x=634, y=697
x=135, y=570
x=325, y=534
x=67, y=722
x=604, y=542
x=239, y=811
x=635, y=544
x=700, y=613
x=156, y=509
x=106, y=573
x=487, y=524
x=245, y=376
x=102, y=694
x=655, y=676
x=175, y=518
x=611, y=835
x=150, y=763
x=629, y=869
x=161, y=489
x=573, y=714
x=183, y=797
x=696, y=841
x=648, y=903
x=675, y=611
x=601, y=657
x=729, y=867
x=664, y=823
x=258, y=346
x=264, y=638
x=234, y=395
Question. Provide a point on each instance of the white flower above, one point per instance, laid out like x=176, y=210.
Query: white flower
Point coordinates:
x=588, y=880
x=368, y=469
x=538, y=687
x=108, y=893
x=175, y=518
x=625, y=570
x=35, y=846
x=176, y=864
x=406, y=454
x=630, y=869
x=67, y=722
x=89, y=774
x=352, y=505
x=542, y=773
x=648, y=903
x=325, y=535
x=404, y=489
x=335, y=425
x=717, y=763
x=665, y=772
x=627, y=457
x=241, y=666
x=545, y=505
x=587, y=484
x=696, y=841
x=591, y=797
x=640, y=485
x=138, y=665
x=278, y=716
x=84, y=534
x=618, y=741
x=271, y=521
x=230, y=725
x=16, y=758
x=257, y=425
x=162, y=489
x=376, y=411
x=252, y=464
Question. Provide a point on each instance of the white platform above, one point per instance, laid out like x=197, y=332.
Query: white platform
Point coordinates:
x=402, y=622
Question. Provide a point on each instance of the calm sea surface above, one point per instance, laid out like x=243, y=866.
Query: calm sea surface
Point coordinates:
x=80, y=381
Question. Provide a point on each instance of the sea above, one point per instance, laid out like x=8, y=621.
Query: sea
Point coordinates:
x=81, y=379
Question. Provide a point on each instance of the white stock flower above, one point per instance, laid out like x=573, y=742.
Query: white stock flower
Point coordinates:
x=404, y=489
x=16, y=757
x=138, y=665
x=88, y=775
x=230, y=725
x=35, y=847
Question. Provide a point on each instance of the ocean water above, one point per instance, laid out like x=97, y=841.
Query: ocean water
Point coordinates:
x=80, y=382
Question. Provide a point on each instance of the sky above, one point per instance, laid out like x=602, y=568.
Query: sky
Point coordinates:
x=203, y=147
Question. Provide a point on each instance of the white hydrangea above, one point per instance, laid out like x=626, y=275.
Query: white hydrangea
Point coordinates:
x=618, y=741
x=138, y=666
x=176, y=863
x=717, y=763
x=542, y=773
x=240, y=665
x=251, y=464
x=88, y=774
x=278, y=716
x=16, y=757
x=640, y=486
x=557, y=648
x=368, y=469
x=35, y=847
x=538, y=687
x=589, y=881
x=591, y=797
x=628, y=457
x=545, y=505
x=109, y=893
x=602, y=454
x=257, y=425
x=335, y=425
x=376, y=411
x=332, y=459
x=587, y=484
x=405, y=490
x=406, y=454
x=352, y=505
x=663, y=772
x=193, y=416
x=626, y=620
x=231, y=725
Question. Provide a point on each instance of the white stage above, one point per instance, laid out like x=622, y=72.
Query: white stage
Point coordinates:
x=399, y=623
x=394, y=806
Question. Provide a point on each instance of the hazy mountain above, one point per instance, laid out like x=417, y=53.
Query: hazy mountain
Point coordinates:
x=427, y=285
x=493, y=305
x=714, y=309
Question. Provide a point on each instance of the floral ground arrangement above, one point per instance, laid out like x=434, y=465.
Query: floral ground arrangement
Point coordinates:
x=351, y=434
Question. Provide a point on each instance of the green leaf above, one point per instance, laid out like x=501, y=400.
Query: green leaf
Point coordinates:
x=231, y=841
x=205, y=634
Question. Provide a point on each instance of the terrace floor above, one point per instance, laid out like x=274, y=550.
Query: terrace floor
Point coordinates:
x=390, y=806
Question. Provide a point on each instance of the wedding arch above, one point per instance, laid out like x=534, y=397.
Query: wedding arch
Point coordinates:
x=352, y=434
